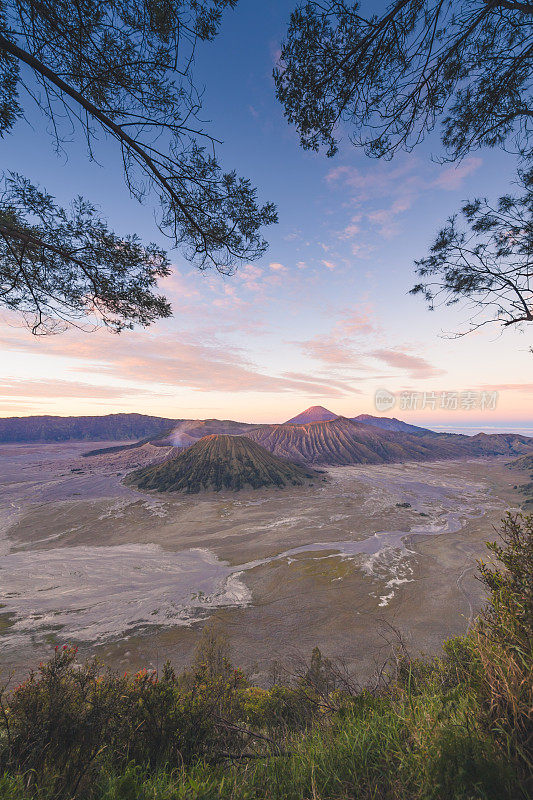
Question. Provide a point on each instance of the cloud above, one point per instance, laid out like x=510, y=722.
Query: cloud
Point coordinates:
x=357, y=320
x=17, y=387
x=329, y=264
x=251, y=276
x=416, y=366
x=378, y=181
x=525, y=388
x=230, y=298
x=330, y=350
x=20, y=409
x=400, y=186
x=452, y=177
x=277, y=267
x=164, y=360
x=352, y=229
x=332, y=382
x=337, y=347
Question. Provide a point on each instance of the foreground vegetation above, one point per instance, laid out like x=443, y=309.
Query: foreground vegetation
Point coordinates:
x=456, y=726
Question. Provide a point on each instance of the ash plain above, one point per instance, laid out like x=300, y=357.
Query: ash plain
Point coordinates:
x=133, y=577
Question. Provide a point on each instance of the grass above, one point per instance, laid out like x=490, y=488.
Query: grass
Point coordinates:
x=456, y=727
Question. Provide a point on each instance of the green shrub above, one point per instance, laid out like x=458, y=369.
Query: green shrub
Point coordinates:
x=463, y=765
x=504, y=641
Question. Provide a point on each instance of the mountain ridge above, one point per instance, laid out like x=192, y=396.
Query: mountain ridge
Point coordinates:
x=107, y=427
x=390, y=424
x=339, y=441
x=343, y=442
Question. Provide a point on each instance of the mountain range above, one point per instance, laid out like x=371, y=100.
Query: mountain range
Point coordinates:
x=133, y=427
x=305, y=439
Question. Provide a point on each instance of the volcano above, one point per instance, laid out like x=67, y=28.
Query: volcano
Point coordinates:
x=343, y=441
x=222, y=463
x=312, y=414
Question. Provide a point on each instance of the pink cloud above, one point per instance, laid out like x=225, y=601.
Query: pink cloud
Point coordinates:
x=379, y=181
x=251, y=277
x=525, y=388
x=339, y=384
x=452, y=177
x=22, y=409
x=350, y=231
x=416, y=366
x=401, y=186
x=337, y=347
x=357, y=320
x=62, y=388
x=330, y=350
x=170, y=360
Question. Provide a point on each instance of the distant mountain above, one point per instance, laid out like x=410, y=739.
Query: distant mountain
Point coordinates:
x=389, y=424
x=338, y=440
x=222, y=463
x=342, y=441
x=312, y=414
x=112, y=427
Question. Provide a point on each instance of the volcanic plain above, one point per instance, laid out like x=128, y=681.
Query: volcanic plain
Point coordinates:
x=349, y=564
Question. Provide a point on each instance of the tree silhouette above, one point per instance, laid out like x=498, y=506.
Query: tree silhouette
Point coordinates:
x=120, y=69
x=490, y=264
x=391, y=78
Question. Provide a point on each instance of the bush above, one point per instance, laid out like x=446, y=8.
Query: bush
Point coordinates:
x=67, y=720
x=504, y=640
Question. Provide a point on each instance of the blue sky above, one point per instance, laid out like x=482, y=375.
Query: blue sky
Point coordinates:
x=323, y=318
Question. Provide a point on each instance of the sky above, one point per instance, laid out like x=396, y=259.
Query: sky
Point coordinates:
x=323, y=318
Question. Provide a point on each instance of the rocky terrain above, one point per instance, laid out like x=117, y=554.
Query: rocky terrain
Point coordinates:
x=343, y=441
x=222, y=462
x=525, y=463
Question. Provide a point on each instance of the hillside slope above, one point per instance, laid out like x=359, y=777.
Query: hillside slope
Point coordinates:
x=343, y=442
x=111, y=427
x=525, y=463
x=222, y=462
